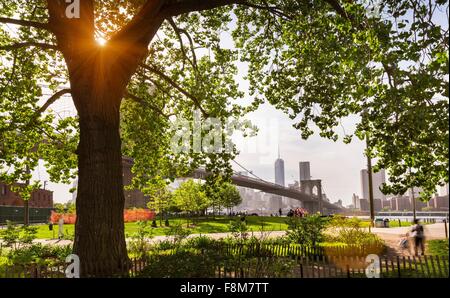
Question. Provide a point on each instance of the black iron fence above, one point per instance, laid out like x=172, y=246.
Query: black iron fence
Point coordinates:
x=17, y=214
x=262, y=267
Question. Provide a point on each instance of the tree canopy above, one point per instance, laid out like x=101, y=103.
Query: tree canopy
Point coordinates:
x=135, y=71
x=190, y=197
x=319, y=61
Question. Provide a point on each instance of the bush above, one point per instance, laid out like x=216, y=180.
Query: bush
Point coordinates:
x=138, y=245
x=38, y=253
x=349, y=231
x=306, y=230
x=239, y=229
x=182, y=264
x=200, y=242
x=15, y=236
x=178, y=233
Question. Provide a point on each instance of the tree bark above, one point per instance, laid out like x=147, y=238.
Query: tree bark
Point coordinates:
x=99, y=231
x=97, y=91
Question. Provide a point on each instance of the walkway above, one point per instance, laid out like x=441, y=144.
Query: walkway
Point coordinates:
x=391, y=236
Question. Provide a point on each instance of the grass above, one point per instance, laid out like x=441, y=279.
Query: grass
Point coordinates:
x=202, y=226
x=392, y=224
x=437, y=247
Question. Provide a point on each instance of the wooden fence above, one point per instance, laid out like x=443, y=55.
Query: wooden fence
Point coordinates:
x=263, y=267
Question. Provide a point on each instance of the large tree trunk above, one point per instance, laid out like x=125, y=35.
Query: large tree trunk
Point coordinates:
x=99, y=236
x=99, y=231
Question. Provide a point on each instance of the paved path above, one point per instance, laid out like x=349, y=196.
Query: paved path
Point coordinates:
x=390, y=235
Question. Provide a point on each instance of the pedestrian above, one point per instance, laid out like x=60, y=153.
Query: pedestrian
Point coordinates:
x=61, y=228
x=417, y=234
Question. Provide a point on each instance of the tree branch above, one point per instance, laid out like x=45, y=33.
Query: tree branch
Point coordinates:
x=178, y=8
x=338, y=8
x=44, y=46
x=180, y=39
x=194, y=99
x=143, y=102
x=52, y=99
x=37, y=25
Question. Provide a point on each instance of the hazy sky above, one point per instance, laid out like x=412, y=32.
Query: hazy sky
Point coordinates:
x=337, y=164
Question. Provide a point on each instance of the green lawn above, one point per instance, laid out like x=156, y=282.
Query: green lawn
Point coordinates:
x=202, y=225
x=392, y=224
x=437, y=247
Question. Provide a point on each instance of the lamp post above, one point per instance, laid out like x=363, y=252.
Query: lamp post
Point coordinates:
x=413, y=203
x=27, y=202
x=369, y=173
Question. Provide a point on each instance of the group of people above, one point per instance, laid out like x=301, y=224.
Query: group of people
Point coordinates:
x=415, y=237
x=297, y=212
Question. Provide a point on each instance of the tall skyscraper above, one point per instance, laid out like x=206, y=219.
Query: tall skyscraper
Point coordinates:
x=377, y=180
x=277, y=201
x=279, y=171
x=305, y=173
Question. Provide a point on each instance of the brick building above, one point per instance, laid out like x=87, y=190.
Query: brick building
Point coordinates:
x=133, y=198
x=40, y=198
x=441, y=203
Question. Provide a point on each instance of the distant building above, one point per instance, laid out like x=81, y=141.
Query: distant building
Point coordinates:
x=377, y=180
x=279, y=172
x=385, y=204
x=393, y=204
x=40, y=198
x=355, y=201
x=403, y=203
x=133, y=198
x=419, y=204
x=338, y=203
x=443, y=190
x=305, y=172
x=364, y=205
x=441, y=203
x=279, y=201
x=377, y=205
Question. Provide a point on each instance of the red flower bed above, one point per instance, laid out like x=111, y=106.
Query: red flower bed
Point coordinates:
x=129, y=215
x=132, y=215
x=68, y=218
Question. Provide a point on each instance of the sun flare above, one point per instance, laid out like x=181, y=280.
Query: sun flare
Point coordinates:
x=101, y=41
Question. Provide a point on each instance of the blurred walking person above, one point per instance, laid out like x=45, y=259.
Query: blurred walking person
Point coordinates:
x=417, y=234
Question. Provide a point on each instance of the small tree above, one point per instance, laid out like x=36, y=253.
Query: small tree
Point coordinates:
x=160, y=197
x=190, y=197
x=229, y=196
x=306, y=230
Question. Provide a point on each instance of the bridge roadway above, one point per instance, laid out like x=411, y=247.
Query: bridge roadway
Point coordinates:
x=311, y=202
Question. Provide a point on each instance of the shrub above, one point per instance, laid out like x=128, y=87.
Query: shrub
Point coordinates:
x=38, y=253
x=306, y=230
x=239, y=229
x=15, y=236
x=178, y=233
x=349, y=231
x=138, y=244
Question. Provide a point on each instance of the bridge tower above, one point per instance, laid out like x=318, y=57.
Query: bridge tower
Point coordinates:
x=313, y=188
